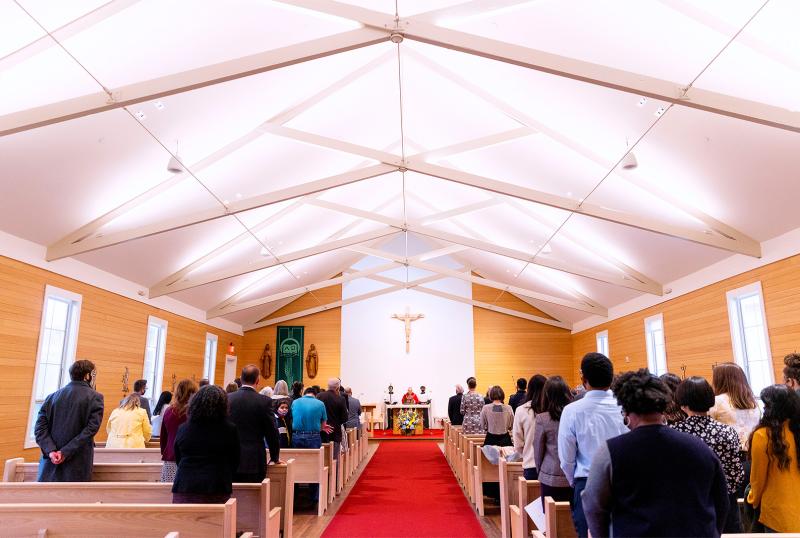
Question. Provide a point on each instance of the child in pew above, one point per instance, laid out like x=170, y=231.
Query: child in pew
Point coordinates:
x=284, y=420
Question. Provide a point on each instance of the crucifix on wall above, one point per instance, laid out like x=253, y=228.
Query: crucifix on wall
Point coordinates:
x=407, y=318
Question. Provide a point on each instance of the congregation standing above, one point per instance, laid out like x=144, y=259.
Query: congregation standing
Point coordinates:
x=640, y=455
x=209, y=438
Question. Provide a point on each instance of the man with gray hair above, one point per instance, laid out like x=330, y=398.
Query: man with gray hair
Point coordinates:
x=336, y=410
x=353, y=411
x=454, y=407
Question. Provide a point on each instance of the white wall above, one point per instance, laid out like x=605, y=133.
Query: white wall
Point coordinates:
x=373, y=344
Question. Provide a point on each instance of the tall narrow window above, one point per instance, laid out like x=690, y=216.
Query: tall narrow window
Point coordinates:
x=58, y=338
x=656, y=350
x=749, y=335
x=154, y=352
x=210, y=361
x=602, y=343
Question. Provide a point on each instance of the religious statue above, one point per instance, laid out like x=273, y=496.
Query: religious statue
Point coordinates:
x=266, y=362
x=407, y=318
x=391, y=392
x=125, y=378
x=174, y=382
x=312, y=361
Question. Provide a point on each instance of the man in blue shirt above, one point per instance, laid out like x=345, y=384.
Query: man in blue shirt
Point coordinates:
x=308, y=419
x=587, y=424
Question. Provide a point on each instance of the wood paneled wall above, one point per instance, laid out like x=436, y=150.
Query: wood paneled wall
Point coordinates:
x=112, y=334
x=696, y=326
x=508, y=347
x=323, y=329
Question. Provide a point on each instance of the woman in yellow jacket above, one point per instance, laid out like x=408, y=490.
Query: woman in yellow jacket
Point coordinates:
x=775, y=473
x=128, y=425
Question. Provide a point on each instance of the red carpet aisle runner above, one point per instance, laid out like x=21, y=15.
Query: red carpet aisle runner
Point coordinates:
x=426, y=434
x=407, y=490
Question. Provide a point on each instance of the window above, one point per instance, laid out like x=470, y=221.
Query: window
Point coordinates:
x=154, y=351
x=749, y=335
x=602, y=343
x=656, y=350
x=210, y=361
x=58, y=338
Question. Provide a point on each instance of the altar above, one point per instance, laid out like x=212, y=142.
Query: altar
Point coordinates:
x=390, y=412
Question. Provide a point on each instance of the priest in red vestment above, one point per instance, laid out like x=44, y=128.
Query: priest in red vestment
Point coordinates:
x=409, y=397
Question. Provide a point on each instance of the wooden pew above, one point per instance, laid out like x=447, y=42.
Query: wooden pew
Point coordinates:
x=148, y=444
x=352, y=460
x=141, y=520
x=310, y=468
x=340, y=464
x=331, y=464
x=509, y=491
x=127, y=455
x=16, y=470
x=281, y=479
x=485, y=473
x=527, y=492
x=558, y=520
x=253, y=513
x=472, y=446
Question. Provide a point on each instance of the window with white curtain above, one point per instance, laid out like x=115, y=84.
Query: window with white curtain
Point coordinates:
x=154, y=352
x=602, y=343
x=58, y=339
x=210, y=360
x=656, y=350
x=750, y=336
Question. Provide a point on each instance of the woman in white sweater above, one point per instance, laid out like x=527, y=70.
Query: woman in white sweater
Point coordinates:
x=524, y=421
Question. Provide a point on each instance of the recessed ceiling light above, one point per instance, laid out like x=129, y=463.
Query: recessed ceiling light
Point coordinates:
x=569, y=193
x=642, y=101
x=141, y=115
x=239, y=195
x=159, y=105
x=546, y=249
x=629, y=161
x=660, y=112
x=226, y=202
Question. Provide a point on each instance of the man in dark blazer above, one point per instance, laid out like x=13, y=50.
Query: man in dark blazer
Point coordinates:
x=66, y=426
x=518, y=398
x=336, y=408
x=255, y=421
x=454, y=407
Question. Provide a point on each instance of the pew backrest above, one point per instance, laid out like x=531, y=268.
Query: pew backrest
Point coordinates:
x=127, y=455
x=558, y=517
x=94, y=520
x=253, y=513
x=508, y=473
x=16, y=470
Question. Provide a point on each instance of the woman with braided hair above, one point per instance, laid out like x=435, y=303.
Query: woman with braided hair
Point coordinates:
x=641, y=480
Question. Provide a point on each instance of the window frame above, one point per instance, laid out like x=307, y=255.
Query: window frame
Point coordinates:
x=68, y=354
x=650, y=345
x=602, y=335
x=210, y=362
x=154, y=385
x=738, y=341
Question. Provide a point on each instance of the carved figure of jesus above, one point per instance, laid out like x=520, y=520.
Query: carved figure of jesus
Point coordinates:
x=407, y=318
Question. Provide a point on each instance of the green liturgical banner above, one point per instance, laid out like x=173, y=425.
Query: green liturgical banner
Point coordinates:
x=289, y=362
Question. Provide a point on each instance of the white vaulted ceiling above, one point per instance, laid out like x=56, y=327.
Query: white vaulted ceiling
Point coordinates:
x=315, y=134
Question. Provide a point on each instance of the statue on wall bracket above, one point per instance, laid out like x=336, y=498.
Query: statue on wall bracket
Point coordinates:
x=125, y=378
x=312, y=361
x=266, y=362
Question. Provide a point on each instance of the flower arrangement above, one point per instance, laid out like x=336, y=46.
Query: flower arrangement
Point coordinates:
x=408, y=419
